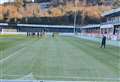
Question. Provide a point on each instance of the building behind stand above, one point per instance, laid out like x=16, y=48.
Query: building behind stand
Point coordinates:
x=111, y=24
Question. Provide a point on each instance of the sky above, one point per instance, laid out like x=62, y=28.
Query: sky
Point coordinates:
x=2, y=1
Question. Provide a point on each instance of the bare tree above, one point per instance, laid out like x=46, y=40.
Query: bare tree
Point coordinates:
x=83, y=12
x=18, y=4
x=36, y=11
x=116, y=3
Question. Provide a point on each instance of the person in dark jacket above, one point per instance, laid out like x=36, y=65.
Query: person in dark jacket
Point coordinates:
x=27, y=34
x=103, y=43
x=53, y=35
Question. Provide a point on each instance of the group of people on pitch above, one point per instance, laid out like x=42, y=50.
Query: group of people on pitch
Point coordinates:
x=38, y=34
x=103, y=43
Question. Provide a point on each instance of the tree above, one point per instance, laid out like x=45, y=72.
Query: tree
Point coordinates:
x=36, y=11
x=1, y=12
x=1, y=17
x=18, y=3
x=116, y=3
x=100, y=2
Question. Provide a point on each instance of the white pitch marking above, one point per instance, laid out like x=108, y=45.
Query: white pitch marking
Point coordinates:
x=15, y=53
x=27, y=77
x=30, y=76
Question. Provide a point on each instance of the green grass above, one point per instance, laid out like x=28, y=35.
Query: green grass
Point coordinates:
x=11, y=43
x=60, y=58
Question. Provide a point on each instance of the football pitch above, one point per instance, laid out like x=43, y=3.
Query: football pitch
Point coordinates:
x=59, y=58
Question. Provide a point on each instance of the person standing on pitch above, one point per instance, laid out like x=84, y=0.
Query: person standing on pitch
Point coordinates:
x=53, y=35
x=27, y=33
x=38, y=34
x=103, y=43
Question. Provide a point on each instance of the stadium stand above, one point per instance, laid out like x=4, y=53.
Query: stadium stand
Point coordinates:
x=111, y=24
x=38, y=28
